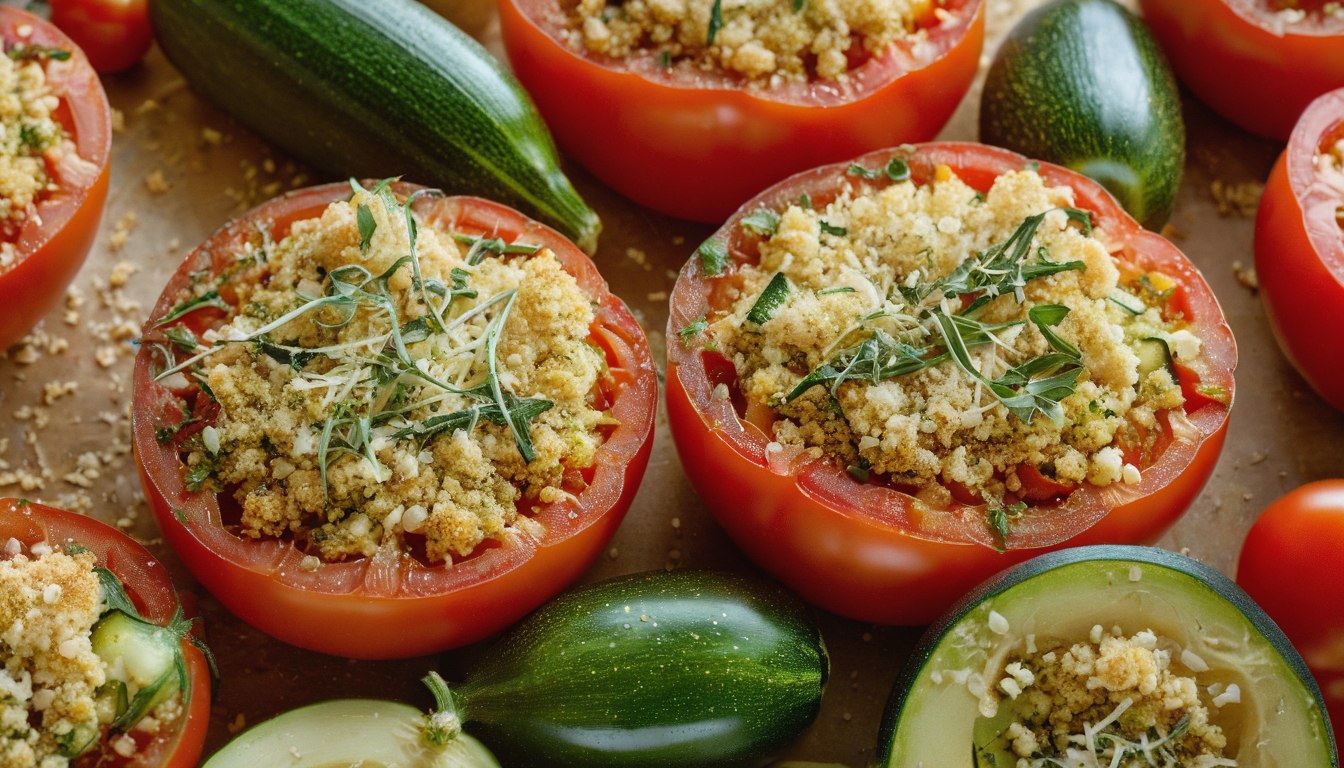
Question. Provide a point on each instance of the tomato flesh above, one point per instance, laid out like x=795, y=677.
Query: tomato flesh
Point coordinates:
x=877, y=552
x=696, y=146
x=390, y=605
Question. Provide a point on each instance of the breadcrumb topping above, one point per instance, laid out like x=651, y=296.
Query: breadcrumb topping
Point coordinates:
x=27, y=133
x=757, y=39
x=854, y=272
x=281, y=412
x=49, y=681
x=1111, y=700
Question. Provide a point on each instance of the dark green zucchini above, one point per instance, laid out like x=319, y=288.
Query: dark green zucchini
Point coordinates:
x=934, y=719
x=375, y=89
x=658, y=669
x=1081, y=83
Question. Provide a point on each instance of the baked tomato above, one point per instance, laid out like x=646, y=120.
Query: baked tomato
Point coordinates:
x=51, y=240
x=1299, y=246
x=696, y=144
x=114, y=34
x=391, y=604
x=145, y=581
x=868, y=547
x=1258, y=63
x=1290, y=566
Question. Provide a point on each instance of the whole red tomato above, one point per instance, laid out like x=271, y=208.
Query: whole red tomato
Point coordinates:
x=1299, y=250
x=867, y=550
x=1290, y=565
x=1239, y=57
x=55, y=238
x=147, y=583
x=696, y=145
x=390, y=605
x=115, y=34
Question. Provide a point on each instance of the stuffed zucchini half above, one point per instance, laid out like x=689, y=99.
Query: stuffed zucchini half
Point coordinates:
x=1106, y=656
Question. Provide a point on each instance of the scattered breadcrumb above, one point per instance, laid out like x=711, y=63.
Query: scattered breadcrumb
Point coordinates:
x=1245, y=276
x=1236, y=199
x=156, y=183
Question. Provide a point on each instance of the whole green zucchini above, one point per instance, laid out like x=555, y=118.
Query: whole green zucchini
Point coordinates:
x=375, y=89
x=1082, y=83
x=682, y=669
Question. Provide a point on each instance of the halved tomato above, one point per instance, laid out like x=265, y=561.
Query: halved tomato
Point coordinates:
x=871, y=551
x=696, y=145
x=56, y=235
x=393, y=605
x=1299, y=249
x=1247, y=60
x=147, y=584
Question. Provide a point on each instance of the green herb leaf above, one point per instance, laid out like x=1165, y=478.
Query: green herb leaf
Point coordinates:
x=30, y=52
x=207, y=299
x=772, y=297
x=715, y=21
x=692, y=330
x=855, y=169
x=367, y=226
x=805, y=200
x=838, y=289
x=799, y=5
x=1000, y=521
x=830, y=229
x=762, y=221
x=713, y=257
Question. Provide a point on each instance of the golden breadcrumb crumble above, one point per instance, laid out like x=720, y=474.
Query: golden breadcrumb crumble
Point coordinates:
x=328, y=429
x=757, y=39
x=863, y=277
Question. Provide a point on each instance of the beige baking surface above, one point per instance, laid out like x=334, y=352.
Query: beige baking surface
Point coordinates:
x=180, y=169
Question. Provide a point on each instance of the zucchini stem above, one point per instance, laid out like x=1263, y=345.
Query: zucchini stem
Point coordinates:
x=443, y=724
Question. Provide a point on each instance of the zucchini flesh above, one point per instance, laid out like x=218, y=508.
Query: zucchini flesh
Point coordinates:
x=661, y=669
x=375, y=89
x=1154, y=353
x=932, y=717
x=346, y=733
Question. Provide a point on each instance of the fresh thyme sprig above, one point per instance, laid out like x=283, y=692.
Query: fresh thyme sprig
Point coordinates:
x=375, y=372
x=1035, y=386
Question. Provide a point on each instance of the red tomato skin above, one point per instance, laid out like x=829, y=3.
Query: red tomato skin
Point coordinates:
x=149, y=587
x=114, y=34
x=1299, y=253
x=1290, y=565
x=52, y=251
x=393, y=607
x=855, y=549
x=697, y=151
x=1233, y=60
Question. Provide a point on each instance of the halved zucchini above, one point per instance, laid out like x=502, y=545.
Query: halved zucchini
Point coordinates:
x=349, y=732
x=934, y=719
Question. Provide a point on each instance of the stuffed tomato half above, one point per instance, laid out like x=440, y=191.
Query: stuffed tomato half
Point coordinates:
x=56, y=141
x=100, y=666
x=379, y=422
x=1299, y=246
x=893, y=377
x=693, y=107
x=1258, y=63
